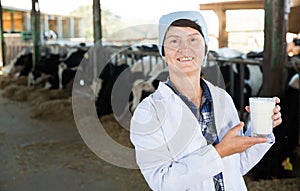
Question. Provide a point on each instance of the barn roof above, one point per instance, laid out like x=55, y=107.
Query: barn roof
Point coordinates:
x=238, y=4
x=232, y=4
x=222, y=5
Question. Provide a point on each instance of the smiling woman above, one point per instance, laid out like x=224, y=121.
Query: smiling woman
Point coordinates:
x=187, y=134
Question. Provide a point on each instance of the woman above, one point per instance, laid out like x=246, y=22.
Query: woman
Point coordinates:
x=187, y=134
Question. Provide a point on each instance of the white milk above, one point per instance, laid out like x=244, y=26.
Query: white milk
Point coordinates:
x=261, y=111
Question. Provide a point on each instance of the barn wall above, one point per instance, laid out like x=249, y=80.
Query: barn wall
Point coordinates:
x=16, y=21
x=294, y=20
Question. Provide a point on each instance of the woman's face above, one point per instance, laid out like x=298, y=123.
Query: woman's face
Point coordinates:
x=184, y=49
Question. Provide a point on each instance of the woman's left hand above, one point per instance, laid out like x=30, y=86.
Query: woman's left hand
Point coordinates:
x=277, y=120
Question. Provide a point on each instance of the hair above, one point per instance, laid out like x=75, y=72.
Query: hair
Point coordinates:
x=186, y=23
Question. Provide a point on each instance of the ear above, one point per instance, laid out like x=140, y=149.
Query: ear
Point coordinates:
x=164, y=59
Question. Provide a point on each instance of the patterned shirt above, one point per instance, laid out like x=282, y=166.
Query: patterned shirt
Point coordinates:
x=205, y=117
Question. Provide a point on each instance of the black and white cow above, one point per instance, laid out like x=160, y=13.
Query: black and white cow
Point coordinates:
x=45, y=72
x=252, y=73
x=55, y=69
x=68, y=66
x=21, y=65
x=123, y=75
x=107, y=79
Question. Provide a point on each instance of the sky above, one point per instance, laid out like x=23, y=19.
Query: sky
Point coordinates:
x=134, y=12
x=124, y=8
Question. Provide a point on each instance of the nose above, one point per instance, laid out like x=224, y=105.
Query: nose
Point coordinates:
x=182, y=46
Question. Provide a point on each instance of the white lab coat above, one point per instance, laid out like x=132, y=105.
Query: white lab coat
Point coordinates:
x=171, y=151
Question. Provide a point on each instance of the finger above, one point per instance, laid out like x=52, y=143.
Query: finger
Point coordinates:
x=277, y=122
x=277, y=109
x=247, y=108
x=255, y=140
x=276, y=116
x=238, y=128
x=277, y=100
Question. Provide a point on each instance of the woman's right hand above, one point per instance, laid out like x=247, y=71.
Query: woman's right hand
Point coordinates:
x=233, y=143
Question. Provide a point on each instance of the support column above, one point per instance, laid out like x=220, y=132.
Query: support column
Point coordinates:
x=1, y=36
x=98, y=49
x=71, y=27
x=35, y=20
x=97, y=21
x=223, y=34
x=275, y=55
x=81, y=27
x=46, y=23
x=59, y=27
x=28, y=22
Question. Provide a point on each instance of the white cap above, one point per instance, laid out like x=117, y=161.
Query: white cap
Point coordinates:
x=166, y=20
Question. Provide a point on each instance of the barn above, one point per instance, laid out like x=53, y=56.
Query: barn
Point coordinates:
x=67, y=106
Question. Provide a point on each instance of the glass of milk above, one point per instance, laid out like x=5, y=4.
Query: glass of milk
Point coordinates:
x=261, y=111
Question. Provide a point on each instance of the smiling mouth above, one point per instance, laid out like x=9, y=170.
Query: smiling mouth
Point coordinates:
x=183, y=59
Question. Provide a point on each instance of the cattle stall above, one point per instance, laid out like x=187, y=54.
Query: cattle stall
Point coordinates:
x=235, y=79
x=13, y=45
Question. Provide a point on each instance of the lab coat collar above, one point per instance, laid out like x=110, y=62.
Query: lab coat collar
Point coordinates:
x=165, y=93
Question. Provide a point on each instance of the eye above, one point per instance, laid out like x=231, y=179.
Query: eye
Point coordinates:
x=195, y=39
x=172, y=41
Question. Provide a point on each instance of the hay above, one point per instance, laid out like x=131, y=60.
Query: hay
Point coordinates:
x=21, y=93
x=42, y=95
x=289, y=184
x=60, y=109
x=46, y=104
x=9, y=91
x=115, y=130
x=33, y=95
x=9, y=80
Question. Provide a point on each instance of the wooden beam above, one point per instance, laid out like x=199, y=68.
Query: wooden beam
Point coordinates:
x=223, y=34
x=233, y=5
x=294, y=20
x=294, y=3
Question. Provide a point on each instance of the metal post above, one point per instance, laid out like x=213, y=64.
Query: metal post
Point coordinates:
x=97, y=21
x=98, y=64
x=1, y=35
x=275, y=55
x=35, y=29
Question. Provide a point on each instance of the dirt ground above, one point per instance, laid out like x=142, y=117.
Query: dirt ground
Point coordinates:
x=43, y=151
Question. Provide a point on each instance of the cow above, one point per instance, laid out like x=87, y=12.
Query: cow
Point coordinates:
x=21, y=64
x=68, y=66
x=144, y=87
x=252, y=73
x=107, y=79
x=56, y=68
x=45, y=71
x=119, y=77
